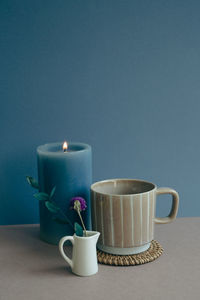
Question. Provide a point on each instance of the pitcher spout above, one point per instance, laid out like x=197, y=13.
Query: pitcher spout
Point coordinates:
x=94, y=235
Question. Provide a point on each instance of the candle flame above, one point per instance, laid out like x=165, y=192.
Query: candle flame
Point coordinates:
x=65, y=146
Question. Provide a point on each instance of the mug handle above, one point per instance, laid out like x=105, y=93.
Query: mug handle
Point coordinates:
x=61, y=244
x=174, y=208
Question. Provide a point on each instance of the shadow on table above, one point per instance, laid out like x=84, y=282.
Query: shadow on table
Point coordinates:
x=40, y=258
x=49, y=271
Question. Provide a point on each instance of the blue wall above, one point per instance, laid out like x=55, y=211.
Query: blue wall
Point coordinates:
x=122, y=76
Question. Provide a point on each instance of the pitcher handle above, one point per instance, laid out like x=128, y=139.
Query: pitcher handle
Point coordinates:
x=61, y=244
x=174, y=208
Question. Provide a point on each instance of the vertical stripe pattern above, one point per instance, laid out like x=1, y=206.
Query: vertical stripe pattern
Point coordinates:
x=141, y=220
x=151, y=215
x=102, y=221
x=124, y=221
x=145, y=218
x=93, y=211
x=148, y=219
x=117, y=221
x=132, y=220
x=112, y=224
x=137, y=220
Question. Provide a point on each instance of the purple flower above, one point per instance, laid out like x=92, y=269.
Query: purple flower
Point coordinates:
x=78, y=202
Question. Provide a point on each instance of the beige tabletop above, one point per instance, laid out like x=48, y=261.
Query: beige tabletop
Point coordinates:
x=31, y=269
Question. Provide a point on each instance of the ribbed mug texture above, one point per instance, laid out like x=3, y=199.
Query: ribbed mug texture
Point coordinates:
x=124, y=221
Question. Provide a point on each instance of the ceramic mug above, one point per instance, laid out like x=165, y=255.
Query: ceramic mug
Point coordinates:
x=84, y=255
x=123, y=211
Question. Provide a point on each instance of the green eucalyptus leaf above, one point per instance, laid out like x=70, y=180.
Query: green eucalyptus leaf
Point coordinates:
x=60, y=221
x=41, y=196
x=78, y=229
x=32, y=182
x=52, y=192
x=52, y=207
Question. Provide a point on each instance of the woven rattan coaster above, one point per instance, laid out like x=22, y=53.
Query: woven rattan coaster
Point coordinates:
x=155, y=250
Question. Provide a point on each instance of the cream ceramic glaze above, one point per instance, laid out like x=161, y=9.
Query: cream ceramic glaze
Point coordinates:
x=84, y=256
x=123, y=211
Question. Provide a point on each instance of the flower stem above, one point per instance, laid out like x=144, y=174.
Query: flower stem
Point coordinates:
x=79, y=213
x=66, y=218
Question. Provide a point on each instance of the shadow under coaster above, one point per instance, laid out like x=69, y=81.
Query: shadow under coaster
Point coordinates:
x=155, y=250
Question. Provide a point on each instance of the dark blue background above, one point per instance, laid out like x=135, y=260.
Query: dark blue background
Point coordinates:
x=123, y=76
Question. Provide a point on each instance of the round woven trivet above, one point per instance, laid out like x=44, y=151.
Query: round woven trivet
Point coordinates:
x=155, y=250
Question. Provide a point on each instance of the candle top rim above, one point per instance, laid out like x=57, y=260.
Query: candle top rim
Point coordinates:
x=56, y=148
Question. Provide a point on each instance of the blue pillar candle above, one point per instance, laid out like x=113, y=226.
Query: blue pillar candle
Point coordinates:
x=70, y=171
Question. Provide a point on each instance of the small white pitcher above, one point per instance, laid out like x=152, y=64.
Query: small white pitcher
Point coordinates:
x=84, y=254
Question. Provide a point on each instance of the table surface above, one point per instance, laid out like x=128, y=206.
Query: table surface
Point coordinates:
x=32, y=269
